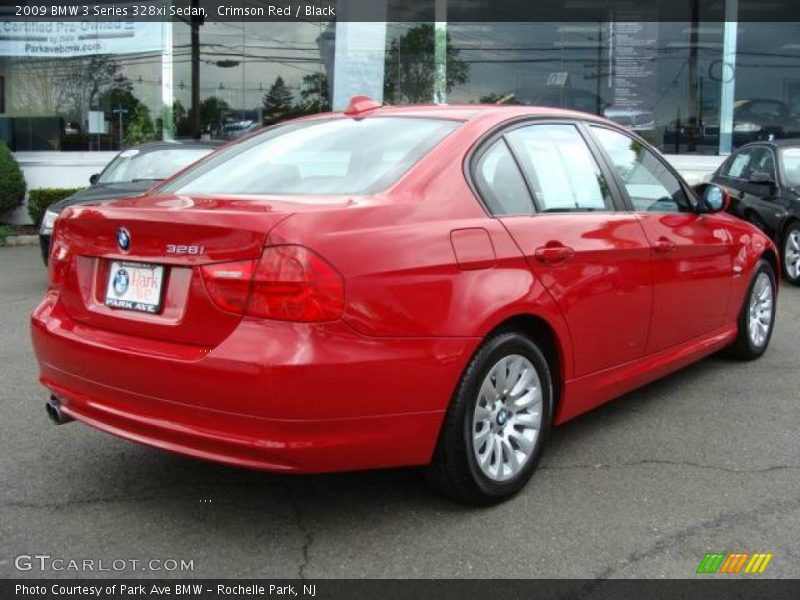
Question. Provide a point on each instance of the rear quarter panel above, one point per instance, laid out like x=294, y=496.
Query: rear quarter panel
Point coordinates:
x=396, y=252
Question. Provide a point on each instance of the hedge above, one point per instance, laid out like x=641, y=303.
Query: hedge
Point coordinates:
x=12, y=182
x=39, y=200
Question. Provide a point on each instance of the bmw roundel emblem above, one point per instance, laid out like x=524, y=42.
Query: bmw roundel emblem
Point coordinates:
x=121, y=280
x=123, y=239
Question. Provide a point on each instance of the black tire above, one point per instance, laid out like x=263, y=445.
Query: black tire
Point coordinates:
x=744, y=348
x=792, y=230
x=454, y=470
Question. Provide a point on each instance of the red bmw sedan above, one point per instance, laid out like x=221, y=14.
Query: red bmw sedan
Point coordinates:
x=383, y=287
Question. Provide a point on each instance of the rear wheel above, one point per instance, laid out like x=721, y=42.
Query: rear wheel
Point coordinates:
x=497, y=422
x=757, y=317
x=791, y=253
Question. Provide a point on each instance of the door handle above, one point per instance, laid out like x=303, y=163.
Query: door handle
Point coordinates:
x=664, y=246
x=553, y=255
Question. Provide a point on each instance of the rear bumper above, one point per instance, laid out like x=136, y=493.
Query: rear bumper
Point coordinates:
x=272, y=396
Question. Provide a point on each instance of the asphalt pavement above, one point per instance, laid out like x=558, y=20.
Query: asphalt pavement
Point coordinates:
x=705, y=460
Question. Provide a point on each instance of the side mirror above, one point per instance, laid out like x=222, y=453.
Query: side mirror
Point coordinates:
x=761, y=178
x=713, y=198
x=93, y=179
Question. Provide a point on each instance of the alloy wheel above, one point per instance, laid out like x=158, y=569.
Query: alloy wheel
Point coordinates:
x=760, y=310
x=791, y=254
x=507, y=418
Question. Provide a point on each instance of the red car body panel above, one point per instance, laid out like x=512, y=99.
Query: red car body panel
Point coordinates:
x=428, y=275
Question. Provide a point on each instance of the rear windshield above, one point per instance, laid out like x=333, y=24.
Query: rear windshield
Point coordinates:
x=326, y=157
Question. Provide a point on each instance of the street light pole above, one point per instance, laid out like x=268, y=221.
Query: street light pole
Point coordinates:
x=120, y=111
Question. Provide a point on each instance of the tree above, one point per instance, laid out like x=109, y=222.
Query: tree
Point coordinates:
x=180, y=118
x=116, y=98
x=12, y=182
x=140, y=128
x=83, y=82
x=410, y=68
x=315, y=93
x=31, y=88
x=212, y=114
x=278, y=101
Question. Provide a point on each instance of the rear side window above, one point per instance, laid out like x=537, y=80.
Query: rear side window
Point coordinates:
x=322, y=157
x=650, y=184
x=560, y=168
x=500, y=182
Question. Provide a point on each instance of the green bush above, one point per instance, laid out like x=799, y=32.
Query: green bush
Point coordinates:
x=39, y=200
x=140, y=129
x=12, y=183
x=5, y=231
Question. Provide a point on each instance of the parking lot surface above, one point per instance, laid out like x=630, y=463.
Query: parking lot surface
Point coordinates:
x=705, y=460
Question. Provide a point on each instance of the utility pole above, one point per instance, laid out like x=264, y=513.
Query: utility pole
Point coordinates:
x=691, y=88
x=194, y=24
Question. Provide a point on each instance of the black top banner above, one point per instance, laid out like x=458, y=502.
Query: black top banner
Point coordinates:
x=199, y=11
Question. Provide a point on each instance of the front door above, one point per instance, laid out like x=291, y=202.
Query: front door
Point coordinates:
x=692, y=262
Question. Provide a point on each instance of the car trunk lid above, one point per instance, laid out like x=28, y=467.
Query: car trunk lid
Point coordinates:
x=170, y=238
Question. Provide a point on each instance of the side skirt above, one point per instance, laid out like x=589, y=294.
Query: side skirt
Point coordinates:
x=585, y=393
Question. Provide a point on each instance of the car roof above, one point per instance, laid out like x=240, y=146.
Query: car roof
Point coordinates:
x=467, y=112
x=781, y=143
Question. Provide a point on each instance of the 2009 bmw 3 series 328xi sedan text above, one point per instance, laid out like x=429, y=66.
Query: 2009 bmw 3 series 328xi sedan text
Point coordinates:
x=389, y=286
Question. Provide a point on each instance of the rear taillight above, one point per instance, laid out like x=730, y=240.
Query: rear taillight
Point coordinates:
x=228, y=284
x=288, y=283
x=58, y=260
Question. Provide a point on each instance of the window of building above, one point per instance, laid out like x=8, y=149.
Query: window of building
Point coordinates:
x=81, y=86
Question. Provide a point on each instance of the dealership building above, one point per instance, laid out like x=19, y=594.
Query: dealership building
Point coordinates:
x=73, y=92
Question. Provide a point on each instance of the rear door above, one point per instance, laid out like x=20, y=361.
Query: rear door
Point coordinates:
x=763, y=196
x=692, y=262
x=544, y=183
x=733, y=177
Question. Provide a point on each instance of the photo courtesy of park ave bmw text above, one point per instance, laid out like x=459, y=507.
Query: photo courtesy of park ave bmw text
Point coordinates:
x=410, y=299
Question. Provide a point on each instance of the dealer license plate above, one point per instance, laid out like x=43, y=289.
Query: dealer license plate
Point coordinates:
x=135, y=286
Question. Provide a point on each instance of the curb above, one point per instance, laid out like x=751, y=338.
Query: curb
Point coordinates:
x=21, y=240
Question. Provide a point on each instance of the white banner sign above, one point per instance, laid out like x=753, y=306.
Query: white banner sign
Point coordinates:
x=63, y=39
